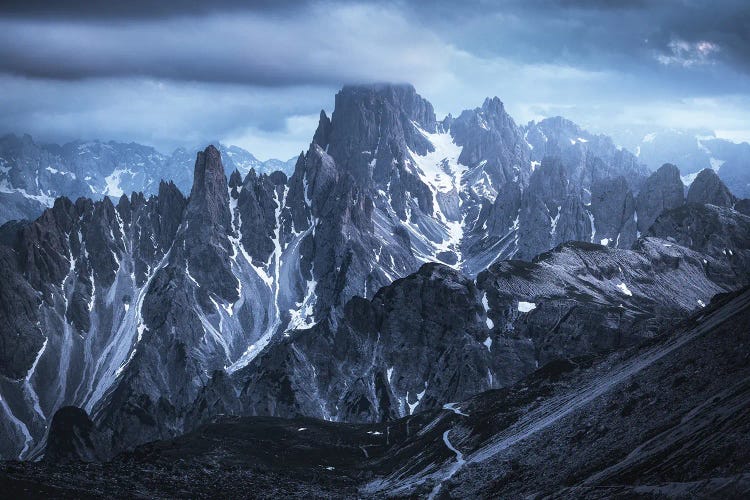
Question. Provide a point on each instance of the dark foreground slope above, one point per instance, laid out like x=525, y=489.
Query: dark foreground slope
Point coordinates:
x=668, y=417
x=663, y=416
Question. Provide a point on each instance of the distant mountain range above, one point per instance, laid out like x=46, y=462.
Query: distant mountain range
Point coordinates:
x=409, y=272
x=32, y=175
x=693, y=151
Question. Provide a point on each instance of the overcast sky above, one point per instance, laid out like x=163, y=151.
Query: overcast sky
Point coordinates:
x=256, y=74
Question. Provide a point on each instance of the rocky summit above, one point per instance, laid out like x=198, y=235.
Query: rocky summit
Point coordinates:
x=418, y=307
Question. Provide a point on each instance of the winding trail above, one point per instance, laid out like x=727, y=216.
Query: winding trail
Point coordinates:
x=454, y=468
x=557, y=408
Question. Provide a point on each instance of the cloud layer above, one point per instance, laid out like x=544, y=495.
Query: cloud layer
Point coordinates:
x=169, y=73
x=314, y=47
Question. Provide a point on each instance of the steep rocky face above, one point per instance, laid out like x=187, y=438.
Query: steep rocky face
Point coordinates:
x=126, y=311
x=19, y=303
x=209, y=304
x=573, y=222
x=541, y=208
x=505, y=211
x=707, y=188
x=549, y=211
x=208, y=225
x=255, y=203
x=613, y=210
x=420, y=342
x=374, y=193
x=529, y=217
x=368, y=117
x=663, y=190
x=492, y=147
x=80, y=271
x=709, y=229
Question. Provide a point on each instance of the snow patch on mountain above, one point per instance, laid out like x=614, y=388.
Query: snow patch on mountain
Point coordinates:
x=440, y=171
x=525, y=307
x=687, y=180
x=113, y=181
x=624, y=289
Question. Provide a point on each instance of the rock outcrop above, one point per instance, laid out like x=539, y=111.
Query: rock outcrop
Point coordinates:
x=417, y=344
x=72, y=437
x=613, y=211
x=663, y=190
x=707, y=188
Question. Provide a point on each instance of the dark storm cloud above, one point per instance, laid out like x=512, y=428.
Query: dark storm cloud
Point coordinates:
x=163, y=114
x=315, y=45
x=263, y=68
x=289, y=43
x=134, y=8
x=620, y=34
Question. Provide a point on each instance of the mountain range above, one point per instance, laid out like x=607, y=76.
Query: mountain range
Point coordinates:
x=32, y=175
x=454, y=285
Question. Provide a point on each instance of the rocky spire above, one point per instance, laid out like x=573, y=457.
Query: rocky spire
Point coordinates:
x=490, y=137
x=707, y=188
x=323, y=131
x=209, y=198
x=207, y=224
x=662, y=191
x=613, y=209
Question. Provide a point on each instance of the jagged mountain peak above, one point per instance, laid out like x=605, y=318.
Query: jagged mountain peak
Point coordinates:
x=208, y=197
x=323, y=131
x=493, y=104
x=388, y=110
x=489, y=119
x=372, y=137
x=207, y=164
x=668, y=170
x=709, y=188
x=208, y=223
x=235, y=178
x=393, y=92
x=662, y=190
x=391, y=104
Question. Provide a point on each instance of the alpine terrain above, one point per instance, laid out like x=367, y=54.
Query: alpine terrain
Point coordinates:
x=462, y=307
